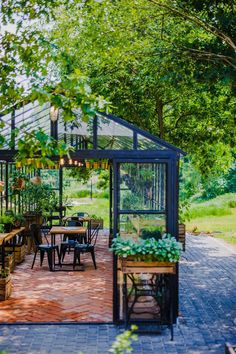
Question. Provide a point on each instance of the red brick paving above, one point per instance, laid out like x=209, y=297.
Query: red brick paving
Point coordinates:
x=68, y=296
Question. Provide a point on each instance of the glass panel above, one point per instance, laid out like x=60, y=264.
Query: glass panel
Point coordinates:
x=6, y=131
x=142, y=225
x=147, y=144
x=78, y=134
x=113, y=136
x=33, y=116
x=143, y=186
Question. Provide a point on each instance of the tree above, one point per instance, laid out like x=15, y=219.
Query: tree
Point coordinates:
x=136, y=54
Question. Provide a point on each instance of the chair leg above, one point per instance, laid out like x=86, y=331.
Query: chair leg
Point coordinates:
x=93, y=258
x=35, y=254
x=58, y=255
x=75, y=257
x=62, y=252
x=41, y=257
x=49, y=254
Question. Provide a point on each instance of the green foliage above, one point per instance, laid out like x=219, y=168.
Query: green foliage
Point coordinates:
x=81, y=174
x=6, y=219
x=103, y=180
x=232, y=203
x=36, y=148
x=38, y=198
x=151, y=232
x=123, y=342
x=104, y=194
x=83, y=193
x=210, y=210
x=149, y=66
x=1, y=228
x=166, y=249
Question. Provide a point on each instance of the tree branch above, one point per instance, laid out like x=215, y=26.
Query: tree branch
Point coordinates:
x=194, y=19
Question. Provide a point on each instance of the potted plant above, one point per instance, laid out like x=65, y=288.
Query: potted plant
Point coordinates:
x=7, y=221
x=147, y=256
x=5, y=284
x=18, y=220
x=96, y=220
x=18, y=180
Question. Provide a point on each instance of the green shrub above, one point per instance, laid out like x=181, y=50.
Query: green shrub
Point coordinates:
x=83, y=193
x=232, y=204
x=102, y=195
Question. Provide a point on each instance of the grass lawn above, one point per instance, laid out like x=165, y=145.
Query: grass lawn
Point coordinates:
x=97, y=206
x=222, y=224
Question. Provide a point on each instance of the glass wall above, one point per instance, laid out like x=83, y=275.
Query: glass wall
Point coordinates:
x=142, y=214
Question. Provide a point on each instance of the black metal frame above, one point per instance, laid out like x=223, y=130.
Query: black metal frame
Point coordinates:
x=167, y=154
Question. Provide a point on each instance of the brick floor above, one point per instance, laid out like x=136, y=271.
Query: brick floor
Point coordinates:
x=43, y=296
x=207, y=314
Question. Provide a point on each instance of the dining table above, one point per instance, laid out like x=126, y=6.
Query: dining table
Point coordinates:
x=68, y=231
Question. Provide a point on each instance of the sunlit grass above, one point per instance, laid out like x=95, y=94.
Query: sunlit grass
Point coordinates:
x=221, y=225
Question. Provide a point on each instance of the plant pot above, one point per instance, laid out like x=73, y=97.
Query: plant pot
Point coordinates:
x=19, y=252
x=131, y=265
x=19, y=184
x=5, y=288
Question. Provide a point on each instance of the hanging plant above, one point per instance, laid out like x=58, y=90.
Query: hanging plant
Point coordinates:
x=18, y=179
x=36, y=149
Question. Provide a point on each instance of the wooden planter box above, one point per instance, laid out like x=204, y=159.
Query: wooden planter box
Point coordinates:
x=96, y=222
x=130, y=265
x=5, y=288
x=19, y=252
x=10, y=262
x=230, y=349
x=182, y=233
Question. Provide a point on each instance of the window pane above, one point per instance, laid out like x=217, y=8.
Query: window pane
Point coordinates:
x=113, y=136
x=142, y=225
x=147, y=144
x=78, y=134
x=143, y=186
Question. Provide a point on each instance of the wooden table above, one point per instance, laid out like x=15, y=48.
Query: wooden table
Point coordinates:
x=82, y=219
x=5, y=237
x=65, y=230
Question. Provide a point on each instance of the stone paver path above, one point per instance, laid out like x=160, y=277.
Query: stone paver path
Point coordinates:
x=207, y=313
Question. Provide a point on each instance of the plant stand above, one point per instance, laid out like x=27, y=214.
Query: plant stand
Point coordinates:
x=147, y=294
x=19, y=252
x=10, y=262
x=5, y=288
x=182, y=235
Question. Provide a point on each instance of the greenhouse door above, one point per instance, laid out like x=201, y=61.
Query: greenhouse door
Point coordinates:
x=144, y=201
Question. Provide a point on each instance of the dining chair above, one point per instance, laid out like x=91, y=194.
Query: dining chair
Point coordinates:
x=69, y=241
x=42, y=248
x=86, y=248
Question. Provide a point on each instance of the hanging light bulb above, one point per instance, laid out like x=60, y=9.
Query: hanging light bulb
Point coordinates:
x=75, y=162
x=54, y=112
x=62, y=162
x=70, y=162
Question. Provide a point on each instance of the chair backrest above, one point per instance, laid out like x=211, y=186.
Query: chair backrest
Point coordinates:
x=35, y=233
x=94, y=236
x=81, y=214
x=73, y=223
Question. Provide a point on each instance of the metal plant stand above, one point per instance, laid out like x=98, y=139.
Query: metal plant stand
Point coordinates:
x=150, y=289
